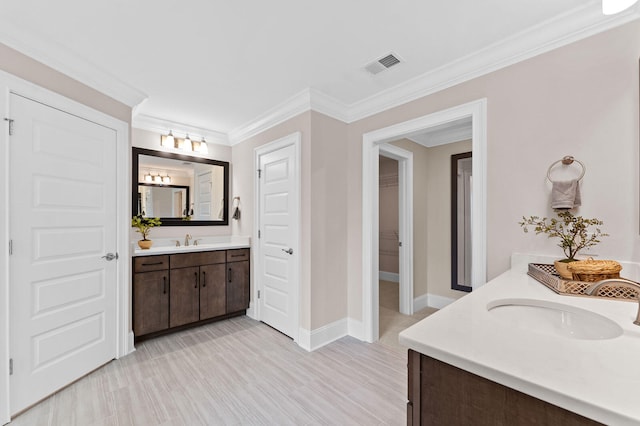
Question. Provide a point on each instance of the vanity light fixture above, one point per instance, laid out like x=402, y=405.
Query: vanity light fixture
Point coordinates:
x=168, y=141
x=157, y=179
x=166, y=179
x=611, y=7
x=186, y=144
x=148, y=177
x=202, y=147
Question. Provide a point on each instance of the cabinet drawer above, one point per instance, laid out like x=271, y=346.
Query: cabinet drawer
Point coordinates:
x=237, y=255
x=184, y=260
x=150, y=263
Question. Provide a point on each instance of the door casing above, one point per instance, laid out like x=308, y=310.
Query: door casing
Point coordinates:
x=371, y=143
x=12, y=84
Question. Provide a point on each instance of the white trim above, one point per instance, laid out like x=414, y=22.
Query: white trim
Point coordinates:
x=405, y=223
x=439, y=302
x=355, y=328
x=163, y=126
x=429, y=300
x=12, y=84
x=393, y=277
x=5, y=414
x=251, y=311
x=421, y=302
x=559, y=31
x=295, y=105
x=577, y=24
x=65, y=61
x=315, y=339
x=370, y=150
x=295, y=140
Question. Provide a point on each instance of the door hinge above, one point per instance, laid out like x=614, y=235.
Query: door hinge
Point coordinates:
x=259, y=233
x=10, y=247
x=258, y=294
x=400, y=244
x=10, y=125
x=259, y=173
x=10, y=366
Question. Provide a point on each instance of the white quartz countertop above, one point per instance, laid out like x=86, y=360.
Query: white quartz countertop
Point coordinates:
x=599, y=379
x=168, y=246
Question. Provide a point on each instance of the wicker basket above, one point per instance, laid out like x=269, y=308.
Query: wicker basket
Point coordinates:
x=591, y=270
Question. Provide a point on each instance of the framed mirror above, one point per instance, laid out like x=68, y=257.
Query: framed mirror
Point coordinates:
x=181, y=190
x=461, y=198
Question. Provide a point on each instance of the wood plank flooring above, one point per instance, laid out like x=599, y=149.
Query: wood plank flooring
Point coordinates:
x=235, y=372
x=241, y=372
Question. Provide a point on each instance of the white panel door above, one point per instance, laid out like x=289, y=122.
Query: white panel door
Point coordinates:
x=62, y=217
x=278, y=240
x=204, y=210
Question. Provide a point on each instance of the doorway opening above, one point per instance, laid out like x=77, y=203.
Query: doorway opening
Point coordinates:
x=376, y=142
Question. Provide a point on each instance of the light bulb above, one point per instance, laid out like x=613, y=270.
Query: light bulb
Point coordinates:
x=203, y=148
x=186, y=144
x=169, y=141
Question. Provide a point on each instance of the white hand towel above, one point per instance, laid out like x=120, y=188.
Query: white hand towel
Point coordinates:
x=565, y=194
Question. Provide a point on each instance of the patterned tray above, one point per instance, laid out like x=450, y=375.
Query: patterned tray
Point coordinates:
x=547, y=275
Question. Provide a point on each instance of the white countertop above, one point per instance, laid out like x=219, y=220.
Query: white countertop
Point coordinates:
x=168, y=245
x=599, y=379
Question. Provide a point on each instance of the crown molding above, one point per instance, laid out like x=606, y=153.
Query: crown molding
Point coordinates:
x=65, y=61
x=162, y=126
x=559, y=31
x=295, y=105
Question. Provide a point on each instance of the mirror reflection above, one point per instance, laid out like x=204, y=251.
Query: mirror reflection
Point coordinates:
x=180, y=189
x=461, y=178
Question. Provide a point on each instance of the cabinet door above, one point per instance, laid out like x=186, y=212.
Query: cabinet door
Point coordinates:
x=212, y=291
x=184, y=300
x=150, y=302
x=237, y=286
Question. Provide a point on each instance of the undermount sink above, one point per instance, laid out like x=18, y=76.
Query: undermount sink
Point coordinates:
x=541, y=316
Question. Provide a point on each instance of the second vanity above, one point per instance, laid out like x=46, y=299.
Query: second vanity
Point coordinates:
x=178, y=287
x=496, y=364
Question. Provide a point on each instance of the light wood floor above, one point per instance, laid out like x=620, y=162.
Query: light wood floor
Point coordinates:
x=240, y=372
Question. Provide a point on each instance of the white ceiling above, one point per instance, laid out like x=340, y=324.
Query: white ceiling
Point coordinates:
x=218, y=65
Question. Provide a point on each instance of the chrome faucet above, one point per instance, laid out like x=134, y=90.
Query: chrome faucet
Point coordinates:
x=186, y=239
x=591, y=291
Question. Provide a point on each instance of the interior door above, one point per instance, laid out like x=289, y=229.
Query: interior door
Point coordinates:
x=278, y=207
x=62, y=215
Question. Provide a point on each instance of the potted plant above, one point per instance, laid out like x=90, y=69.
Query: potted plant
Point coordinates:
x=573, y=232
x=144, y=225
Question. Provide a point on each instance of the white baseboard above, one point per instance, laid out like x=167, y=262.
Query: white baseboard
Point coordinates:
x=251, y=312
x=389, y=276
x=131, y=343
x=355, y=328
x=315, y=339
x=420, y=302
x=431, y=301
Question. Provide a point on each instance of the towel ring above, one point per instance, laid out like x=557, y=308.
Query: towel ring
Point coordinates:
x=567, y=160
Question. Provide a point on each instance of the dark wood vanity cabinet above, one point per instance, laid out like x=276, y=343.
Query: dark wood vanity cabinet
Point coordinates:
x=151, y=284
x=237, y=279
x=191, y=288
x=441, y=394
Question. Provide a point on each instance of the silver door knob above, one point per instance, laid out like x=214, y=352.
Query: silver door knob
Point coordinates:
x=110, y=256
x=290, y=251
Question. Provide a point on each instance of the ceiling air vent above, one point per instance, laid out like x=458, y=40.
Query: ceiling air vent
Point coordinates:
x=382, y=64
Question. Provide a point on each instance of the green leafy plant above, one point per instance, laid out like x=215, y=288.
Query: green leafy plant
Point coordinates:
x=573, y=231
x=144, y=224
